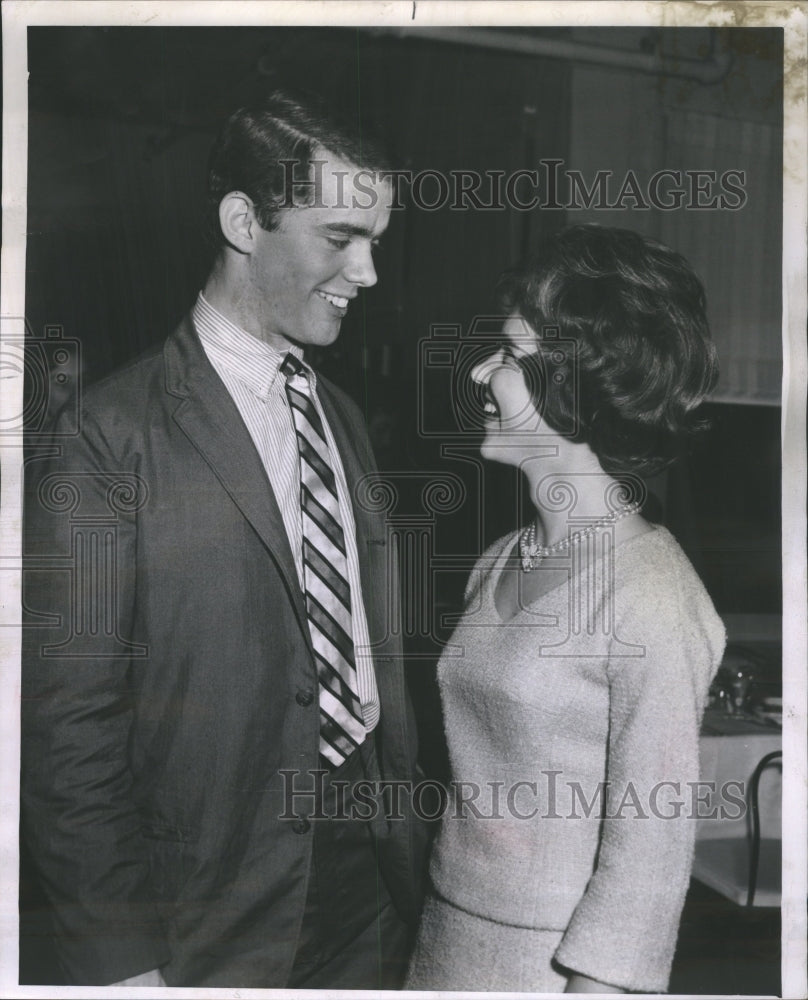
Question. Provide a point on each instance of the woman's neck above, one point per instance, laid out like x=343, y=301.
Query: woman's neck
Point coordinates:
x=565, y=501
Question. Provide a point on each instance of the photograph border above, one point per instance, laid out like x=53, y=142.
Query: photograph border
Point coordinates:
x=18, y=16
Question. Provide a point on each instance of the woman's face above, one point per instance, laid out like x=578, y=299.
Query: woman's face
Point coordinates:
x=512, y=421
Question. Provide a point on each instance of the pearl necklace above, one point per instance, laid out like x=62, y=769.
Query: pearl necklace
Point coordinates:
x=532, y=554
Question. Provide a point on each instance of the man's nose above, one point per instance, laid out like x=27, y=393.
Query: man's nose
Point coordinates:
x=359, y=269
x=483, y=370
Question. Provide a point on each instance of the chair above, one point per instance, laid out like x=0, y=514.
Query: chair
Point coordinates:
x=770, y=864
x=746, y=870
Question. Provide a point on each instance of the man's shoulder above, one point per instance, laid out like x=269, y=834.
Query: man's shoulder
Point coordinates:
x=115, y=410
x=164, y=369
x=125, y=381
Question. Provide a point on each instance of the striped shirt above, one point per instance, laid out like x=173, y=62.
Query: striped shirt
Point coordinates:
x=249, y=369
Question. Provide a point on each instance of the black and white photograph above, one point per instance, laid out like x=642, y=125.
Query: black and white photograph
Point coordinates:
x=404, y=498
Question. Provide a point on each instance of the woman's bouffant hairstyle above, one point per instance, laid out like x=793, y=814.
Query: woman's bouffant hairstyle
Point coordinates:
x=263, y=149
x=643, y=358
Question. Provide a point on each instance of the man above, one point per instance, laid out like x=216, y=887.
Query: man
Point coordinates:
x=207, y=589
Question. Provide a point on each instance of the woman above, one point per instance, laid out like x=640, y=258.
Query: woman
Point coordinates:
x=573, y=687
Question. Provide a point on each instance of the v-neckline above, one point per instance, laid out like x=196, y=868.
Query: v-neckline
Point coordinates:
x=502, y=560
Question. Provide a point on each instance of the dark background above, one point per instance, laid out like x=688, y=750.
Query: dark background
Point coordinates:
x=120, y=123
x=121, y=120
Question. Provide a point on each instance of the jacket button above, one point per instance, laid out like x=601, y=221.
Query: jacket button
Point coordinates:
x=301, y=825
x=304, y=698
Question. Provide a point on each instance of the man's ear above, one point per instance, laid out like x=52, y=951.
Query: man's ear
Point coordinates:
x=237, y=219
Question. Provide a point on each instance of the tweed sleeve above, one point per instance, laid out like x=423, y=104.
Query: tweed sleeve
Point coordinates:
x=668, y=644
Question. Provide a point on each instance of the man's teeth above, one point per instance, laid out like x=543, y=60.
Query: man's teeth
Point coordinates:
x=490, y=408
x=335, y=300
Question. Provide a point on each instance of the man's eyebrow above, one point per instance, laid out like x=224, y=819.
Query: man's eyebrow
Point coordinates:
x=349, y=229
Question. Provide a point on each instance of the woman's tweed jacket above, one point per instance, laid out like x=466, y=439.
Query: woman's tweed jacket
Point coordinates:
x=587, y=703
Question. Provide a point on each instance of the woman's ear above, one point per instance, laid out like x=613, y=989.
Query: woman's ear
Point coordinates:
x=238, y=222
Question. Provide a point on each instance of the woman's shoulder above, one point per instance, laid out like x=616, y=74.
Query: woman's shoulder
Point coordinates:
x=655, y=556
x=656, y=583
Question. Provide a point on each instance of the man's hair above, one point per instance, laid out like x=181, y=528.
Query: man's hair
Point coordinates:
x=263, y=147
x=645, y=361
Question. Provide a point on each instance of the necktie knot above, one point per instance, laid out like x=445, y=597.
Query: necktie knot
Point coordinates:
x=292, y=365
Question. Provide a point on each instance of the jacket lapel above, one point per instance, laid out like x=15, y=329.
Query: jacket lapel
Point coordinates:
x=210, y=419
x=371, y=526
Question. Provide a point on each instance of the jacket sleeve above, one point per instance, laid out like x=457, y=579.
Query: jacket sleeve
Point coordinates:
x=78, y=811
x=623, y=931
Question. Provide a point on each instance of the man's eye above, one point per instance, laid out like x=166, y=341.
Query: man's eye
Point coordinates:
x=338, y=242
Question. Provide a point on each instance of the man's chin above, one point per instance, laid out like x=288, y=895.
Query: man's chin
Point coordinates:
x=324, y=333
x=330, y=336
x=316, y=336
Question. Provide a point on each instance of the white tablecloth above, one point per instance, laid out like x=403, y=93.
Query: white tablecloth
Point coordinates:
x=730, y=749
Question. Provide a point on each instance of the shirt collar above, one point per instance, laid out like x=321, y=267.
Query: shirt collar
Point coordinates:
x=228, y=346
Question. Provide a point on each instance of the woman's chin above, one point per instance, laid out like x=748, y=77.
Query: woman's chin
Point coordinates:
x=495, y=451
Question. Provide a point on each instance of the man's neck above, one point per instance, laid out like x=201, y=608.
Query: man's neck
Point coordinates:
x=223, y=291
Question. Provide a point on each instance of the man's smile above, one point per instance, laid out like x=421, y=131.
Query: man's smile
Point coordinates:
x=339, y=301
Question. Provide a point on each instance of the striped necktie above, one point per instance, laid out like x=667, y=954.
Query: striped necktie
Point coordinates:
x=325, y=576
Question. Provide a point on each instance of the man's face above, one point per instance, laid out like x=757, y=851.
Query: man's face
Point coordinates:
x=304, y=274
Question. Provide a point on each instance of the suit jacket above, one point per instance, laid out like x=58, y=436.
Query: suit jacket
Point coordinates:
x=168, y=680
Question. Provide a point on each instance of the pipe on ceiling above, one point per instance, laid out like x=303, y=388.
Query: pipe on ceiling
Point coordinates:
x=710, y=69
